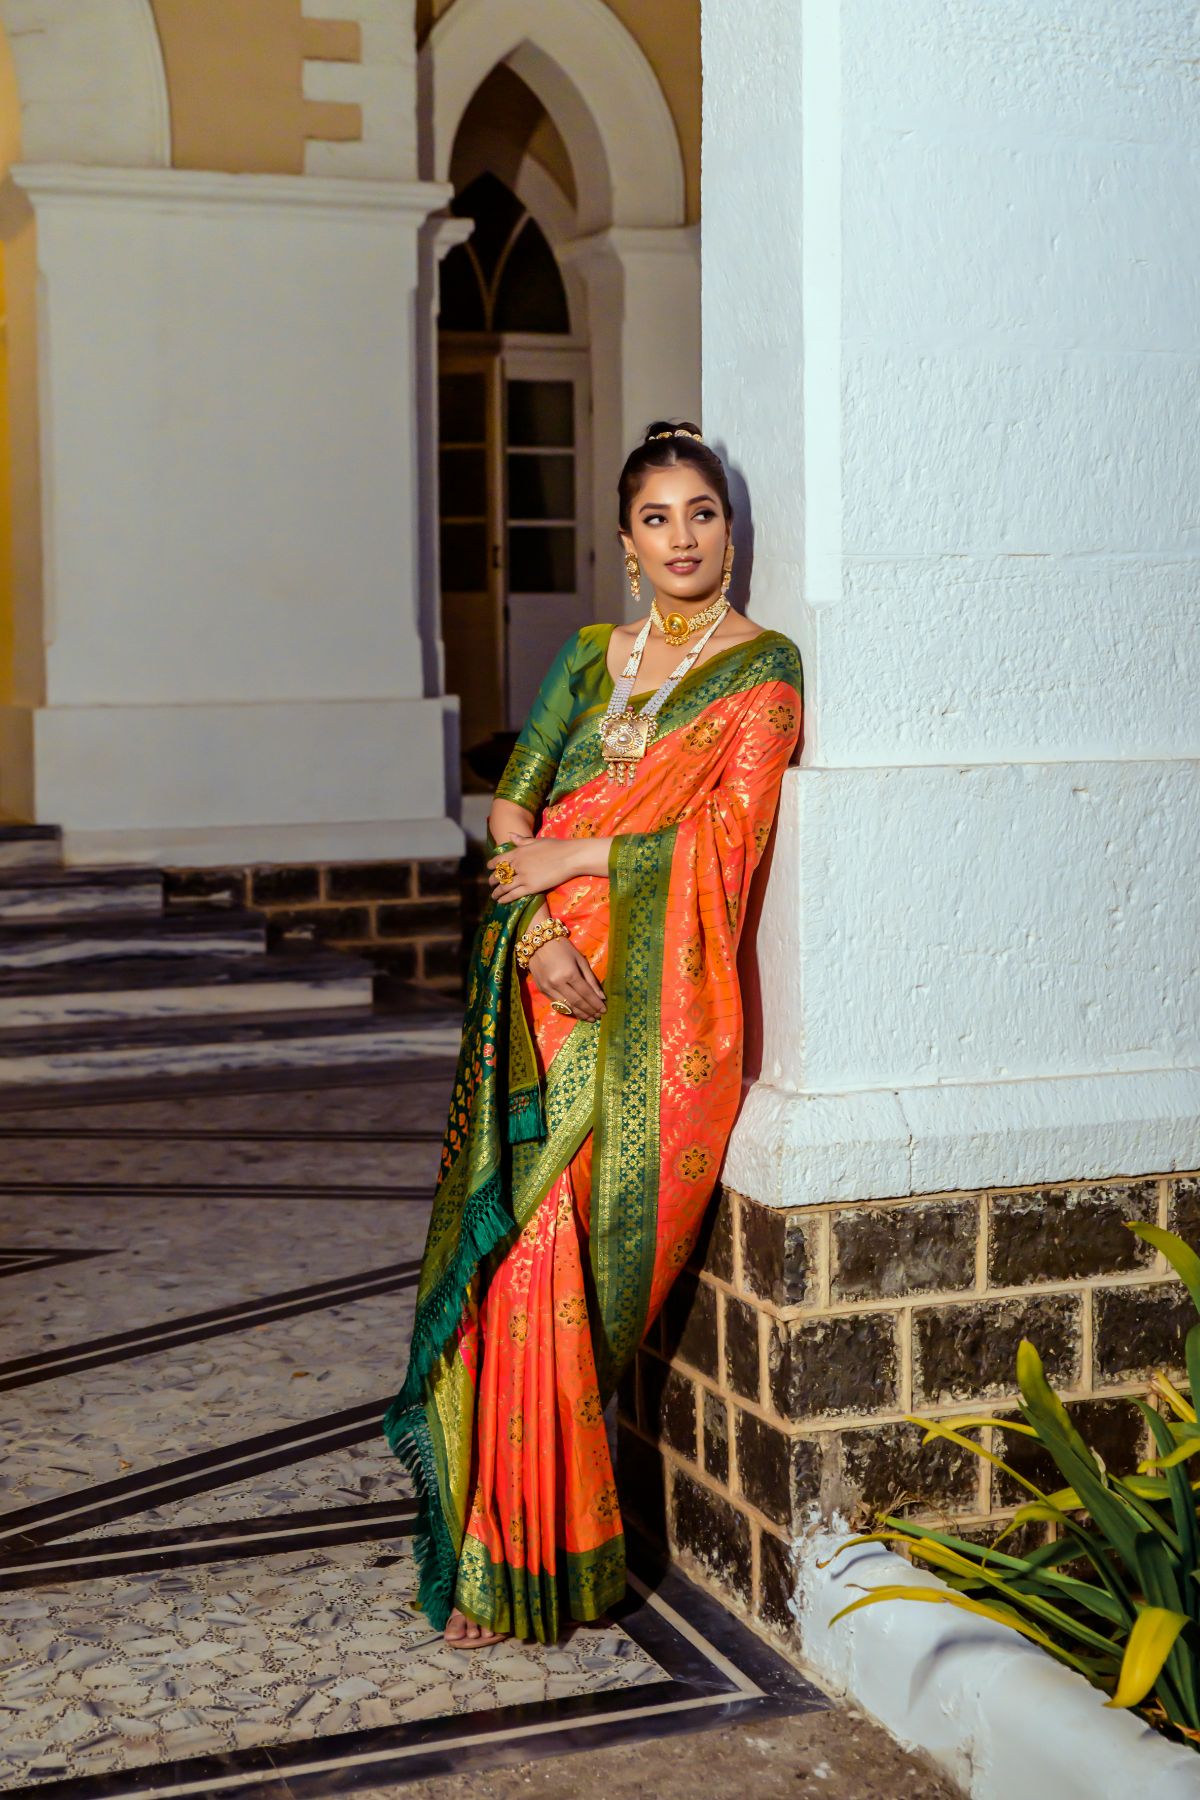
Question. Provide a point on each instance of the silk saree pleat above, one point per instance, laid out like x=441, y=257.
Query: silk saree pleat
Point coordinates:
x=580, y=1156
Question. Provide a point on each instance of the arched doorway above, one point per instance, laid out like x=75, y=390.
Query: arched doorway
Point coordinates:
x=576, y=129
x=513, y=409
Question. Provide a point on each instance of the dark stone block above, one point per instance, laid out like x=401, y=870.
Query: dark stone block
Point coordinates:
x=825, y=1366
x=283, y=886
x=1114, y=1429
x=714, y=1532
x=1139, y=1329
x=1067, y=1234
x=411, y=919
x=641, y=1484
x=443, y=960
x=969, y=1351
x=370, y=881
x=440, y=876
x=883, y=1252
x=1183, y=1209
x=690, y=1324
x=776, y=1584
x=205, y=887
x=885, y=1468
x=716, y=1438
x=399, y=961
x=742, y=1359
x=668, y=1406
x=299, y=926
x=327, y=924
x=713, y=1250
x=777, y=1261
x=777, y=1473
x=1022, y=1542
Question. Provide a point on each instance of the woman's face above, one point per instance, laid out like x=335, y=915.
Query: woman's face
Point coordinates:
x=678, y=533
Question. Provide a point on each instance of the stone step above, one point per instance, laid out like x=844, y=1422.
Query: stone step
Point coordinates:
x=69, y=894
x=182, y=986
x=30, y=847
x=43, y=944
x=143, y=1058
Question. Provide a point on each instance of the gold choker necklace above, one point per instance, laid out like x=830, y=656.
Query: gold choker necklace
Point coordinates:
x=676, y=628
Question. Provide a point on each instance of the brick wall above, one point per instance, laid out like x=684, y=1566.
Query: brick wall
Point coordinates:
x=792, y=1347
x=405, y=917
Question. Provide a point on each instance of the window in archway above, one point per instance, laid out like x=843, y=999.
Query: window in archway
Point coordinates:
x=505, y=277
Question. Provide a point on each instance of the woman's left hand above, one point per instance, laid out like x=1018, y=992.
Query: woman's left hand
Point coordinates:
x=539, y=863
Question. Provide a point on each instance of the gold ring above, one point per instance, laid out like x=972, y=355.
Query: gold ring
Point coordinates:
x=560, y=1006
x=505, y=873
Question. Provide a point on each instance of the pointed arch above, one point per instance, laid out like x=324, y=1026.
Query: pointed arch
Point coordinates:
x=594, y=81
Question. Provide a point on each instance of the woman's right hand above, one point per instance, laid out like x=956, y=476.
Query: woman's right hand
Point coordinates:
x=563, y=973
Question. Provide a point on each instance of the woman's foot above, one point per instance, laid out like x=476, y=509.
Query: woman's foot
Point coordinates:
x=465, y=1634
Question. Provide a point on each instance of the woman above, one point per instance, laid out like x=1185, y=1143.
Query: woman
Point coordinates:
x=600, y=1067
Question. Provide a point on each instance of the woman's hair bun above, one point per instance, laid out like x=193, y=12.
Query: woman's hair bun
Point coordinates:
x=661, y=426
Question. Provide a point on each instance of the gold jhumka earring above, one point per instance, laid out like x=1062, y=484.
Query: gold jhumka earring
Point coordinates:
x=634, y=573
x=727, y=571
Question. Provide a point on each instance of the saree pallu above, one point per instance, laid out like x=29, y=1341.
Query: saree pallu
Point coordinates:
x=579, y=1156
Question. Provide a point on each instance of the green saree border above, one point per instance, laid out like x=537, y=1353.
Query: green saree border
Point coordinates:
x=527, y=778
x=732, y=671
x=533, y=1602
x=625, y=1158
x=413, y=1424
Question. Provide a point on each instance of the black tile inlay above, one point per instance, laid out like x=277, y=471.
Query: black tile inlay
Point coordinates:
x=24, y=1257
x=200, y=1190
x=67, y=1359
x=27, y=1527
x=396, y=1755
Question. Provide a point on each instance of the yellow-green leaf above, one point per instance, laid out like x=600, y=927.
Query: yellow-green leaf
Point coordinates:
x=1181, y=1256
x=948, y=1597
x=1150, y=1643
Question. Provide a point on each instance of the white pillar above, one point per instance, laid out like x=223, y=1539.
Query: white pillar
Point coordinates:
x=643, y=287
x=952, y=347
x=234, y=658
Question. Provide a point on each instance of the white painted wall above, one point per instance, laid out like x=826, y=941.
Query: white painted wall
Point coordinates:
x=952, y=343
x=383, y=83
x=229, y=463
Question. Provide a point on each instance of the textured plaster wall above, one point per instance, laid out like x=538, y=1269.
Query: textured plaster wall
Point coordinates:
x=952, y=344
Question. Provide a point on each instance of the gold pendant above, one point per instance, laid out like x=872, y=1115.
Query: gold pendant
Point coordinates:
x=675, y=628
x=623, y=741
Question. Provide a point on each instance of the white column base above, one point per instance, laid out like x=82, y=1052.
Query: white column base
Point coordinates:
x=210, y=784
x=998, y=1714
x=806, y=1149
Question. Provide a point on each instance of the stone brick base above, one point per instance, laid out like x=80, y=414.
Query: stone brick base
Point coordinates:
x=405, y=917
x=778, y=1377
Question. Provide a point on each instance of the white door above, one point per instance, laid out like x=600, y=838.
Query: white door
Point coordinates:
x=547, y=484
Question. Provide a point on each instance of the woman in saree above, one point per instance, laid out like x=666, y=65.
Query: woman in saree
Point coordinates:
x=600, y=1068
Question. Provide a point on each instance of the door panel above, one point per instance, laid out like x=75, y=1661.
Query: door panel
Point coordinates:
x=470, y=470
x=549, y=573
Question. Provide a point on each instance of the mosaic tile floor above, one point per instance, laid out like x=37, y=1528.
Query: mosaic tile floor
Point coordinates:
x=206, y=1582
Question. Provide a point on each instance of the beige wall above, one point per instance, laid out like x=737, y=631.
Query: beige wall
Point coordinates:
x=235, y=81
x=668, y=32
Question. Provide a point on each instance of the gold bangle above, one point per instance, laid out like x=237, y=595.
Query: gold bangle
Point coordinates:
x=536, y=936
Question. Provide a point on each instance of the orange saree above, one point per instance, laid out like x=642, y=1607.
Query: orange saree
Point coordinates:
x=579, y=1156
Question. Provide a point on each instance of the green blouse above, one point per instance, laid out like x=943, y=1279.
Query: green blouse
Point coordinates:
x=578, y=686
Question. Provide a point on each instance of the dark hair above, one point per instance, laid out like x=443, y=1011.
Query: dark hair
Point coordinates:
x=658, y=452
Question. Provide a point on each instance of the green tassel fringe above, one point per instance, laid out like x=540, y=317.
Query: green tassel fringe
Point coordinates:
x=437, y=1564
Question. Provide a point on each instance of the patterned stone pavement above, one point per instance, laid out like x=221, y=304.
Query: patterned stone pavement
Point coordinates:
x=206, y=1577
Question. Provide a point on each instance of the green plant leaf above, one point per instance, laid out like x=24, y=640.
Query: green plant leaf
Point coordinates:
x=1181, y=1256
x=947, y=1597
x=1150, y=1643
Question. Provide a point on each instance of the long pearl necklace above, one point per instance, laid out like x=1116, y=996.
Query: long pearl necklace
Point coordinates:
x=625, y=735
